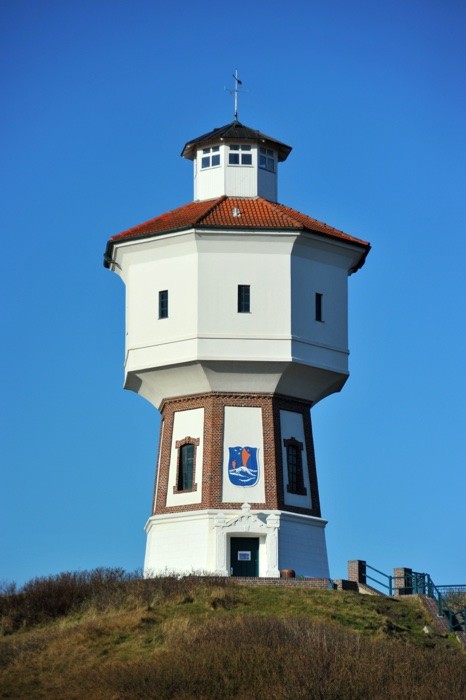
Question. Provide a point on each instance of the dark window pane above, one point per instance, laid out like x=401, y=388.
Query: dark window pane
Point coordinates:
x=163, y=304
x=216, y=160
x=244, y=298
x=246, y=159
x=185, y=472
x=205, y=162
x=234, y=159
x=294, y=464
x=319, y=307
x=267, y=159
x=292, y=460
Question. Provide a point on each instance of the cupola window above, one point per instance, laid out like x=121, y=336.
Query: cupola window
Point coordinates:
x=267, y=159
x=210, y=157
x=240, y=155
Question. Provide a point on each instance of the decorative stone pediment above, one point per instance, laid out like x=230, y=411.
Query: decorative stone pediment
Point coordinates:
x=247, y=523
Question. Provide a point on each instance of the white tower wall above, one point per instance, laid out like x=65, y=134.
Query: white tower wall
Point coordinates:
x=234, y=180
x=206, y=341
x=198, y=542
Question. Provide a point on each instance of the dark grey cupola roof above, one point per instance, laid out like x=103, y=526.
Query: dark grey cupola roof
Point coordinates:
x=235, y=131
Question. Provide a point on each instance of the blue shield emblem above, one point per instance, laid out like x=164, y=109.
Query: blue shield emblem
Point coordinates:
x=243, y=467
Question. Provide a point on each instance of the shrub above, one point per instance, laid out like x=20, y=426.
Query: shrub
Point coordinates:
x=259, y=657
x=44, y=599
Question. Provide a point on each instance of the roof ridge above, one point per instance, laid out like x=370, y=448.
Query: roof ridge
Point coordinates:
x=160, y=217
x=214, y=205
x=305, y=217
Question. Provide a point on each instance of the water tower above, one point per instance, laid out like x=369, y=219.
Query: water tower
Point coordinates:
x=236, y=325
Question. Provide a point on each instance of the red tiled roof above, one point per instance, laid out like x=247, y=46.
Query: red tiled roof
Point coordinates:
x=233, y=212
x=177, y=219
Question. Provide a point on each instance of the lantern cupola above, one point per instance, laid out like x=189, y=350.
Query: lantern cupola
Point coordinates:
x=236, y=161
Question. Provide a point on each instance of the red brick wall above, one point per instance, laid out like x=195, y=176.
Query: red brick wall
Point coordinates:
x=214, y=404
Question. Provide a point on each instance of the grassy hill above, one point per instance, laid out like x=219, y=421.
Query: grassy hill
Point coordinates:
x=107, y=635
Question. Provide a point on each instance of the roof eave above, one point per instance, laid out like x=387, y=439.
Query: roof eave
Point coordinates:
x=108, y=255
x=221, y=134
x=189, y=151
x=361, y=260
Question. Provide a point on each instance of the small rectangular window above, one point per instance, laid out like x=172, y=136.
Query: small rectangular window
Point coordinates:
x=319, y=316
x=186, y=468
x=163, y=304
x=244, y=299
x=210, y=157
x=241, y=156
x=267, y=159
x=294, y=463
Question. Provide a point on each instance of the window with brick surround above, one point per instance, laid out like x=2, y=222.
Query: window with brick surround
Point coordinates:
x=244, y=298
x=186, y=465
x=294, y=464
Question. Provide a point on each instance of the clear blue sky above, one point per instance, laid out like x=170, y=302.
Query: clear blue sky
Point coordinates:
x=98, y=98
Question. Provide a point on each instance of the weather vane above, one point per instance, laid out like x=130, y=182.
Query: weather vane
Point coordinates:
x=235, y=91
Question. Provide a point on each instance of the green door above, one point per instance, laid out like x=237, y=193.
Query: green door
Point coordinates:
x=244, y=556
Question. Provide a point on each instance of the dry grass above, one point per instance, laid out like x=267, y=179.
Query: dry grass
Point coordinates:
x=192, y=638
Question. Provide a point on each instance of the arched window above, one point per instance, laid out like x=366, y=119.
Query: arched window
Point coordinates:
x=294, y=464
x=186, y=467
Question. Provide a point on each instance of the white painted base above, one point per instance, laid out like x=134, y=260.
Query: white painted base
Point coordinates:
x=302, y=545
x=198, y=542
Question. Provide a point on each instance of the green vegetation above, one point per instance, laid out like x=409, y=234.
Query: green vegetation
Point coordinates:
x=455, y=599
x=107, y=635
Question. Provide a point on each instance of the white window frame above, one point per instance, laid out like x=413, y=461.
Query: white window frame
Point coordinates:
x=267, y=159
x=243, y=151
x=208, y=156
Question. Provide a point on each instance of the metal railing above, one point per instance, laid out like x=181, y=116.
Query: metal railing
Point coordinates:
x=459, y=590
x=453, y=601
x=387, y=583
x=415, y=583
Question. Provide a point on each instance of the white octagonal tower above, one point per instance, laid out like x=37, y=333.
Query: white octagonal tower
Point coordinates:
x=236, y=324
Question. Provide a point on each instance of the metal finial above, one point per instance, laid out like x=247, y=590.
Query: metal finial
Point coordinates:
x=235, y=91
